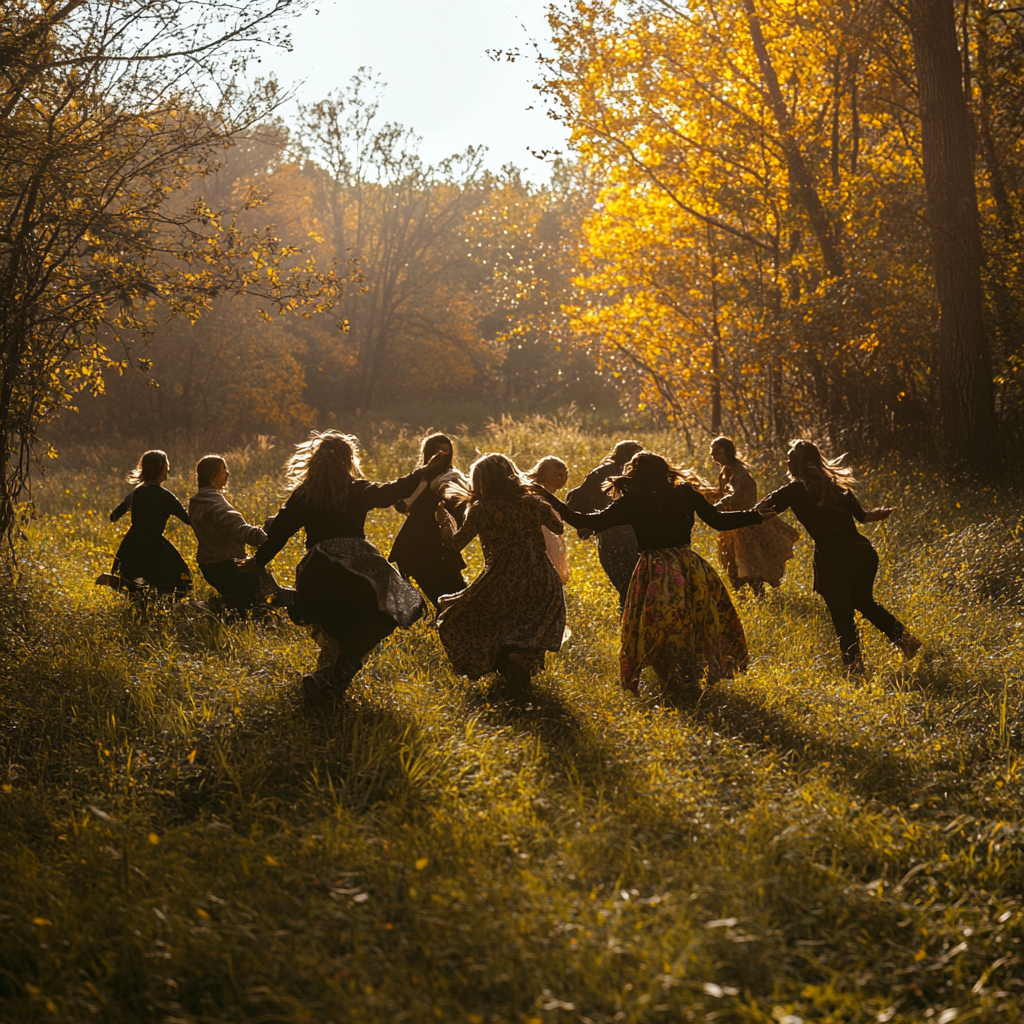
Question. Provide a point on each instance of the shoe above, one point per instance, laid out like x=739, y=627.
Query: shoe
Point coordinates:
x=909, y=645
x=108, y=579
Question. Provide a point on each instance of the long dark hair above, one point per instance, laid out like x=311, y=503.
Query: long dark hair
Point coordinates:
x=824, y=478
x=434, y=443
x=150, y=466
x=622, y=453
x=647, y=473
x=323, y=468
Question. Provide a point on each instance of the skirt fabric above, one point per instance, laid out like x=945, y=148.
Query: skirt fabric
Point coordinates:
x=149, y=558
x=680, y=620
x=618, y=554
x=514, y=608
x=757, y=552
x=346, y=588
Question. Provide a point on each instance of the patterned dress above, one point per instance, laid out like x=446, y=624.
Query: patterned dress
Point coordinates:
x=755, y=553
x=516, y=606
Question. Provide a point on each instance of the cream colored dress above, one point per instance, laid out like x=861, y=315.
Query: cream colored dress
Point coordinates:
x=757, y=552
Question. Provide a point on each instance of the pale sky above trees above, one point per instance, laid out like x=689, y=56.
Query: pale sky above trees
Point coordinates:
x=440, y=81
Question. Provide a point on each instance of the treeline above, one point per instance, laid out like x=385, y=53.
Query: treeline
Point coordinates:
x=430, y=316
x=776, y=219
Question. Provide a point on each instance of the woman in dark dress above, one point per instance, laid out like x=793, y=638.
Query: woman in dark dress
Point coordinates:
x=678, y=616
x=616, y=546
x=419, y=550
x=514, y=611
x=146, y=557
x=345, y=588
x=845, y=563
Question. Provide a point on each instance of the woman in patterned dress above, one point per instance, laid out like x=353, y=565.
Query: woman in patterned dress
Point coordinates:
x=346, y=590
x=758, y=554
x=514, y=611
x=678, y=617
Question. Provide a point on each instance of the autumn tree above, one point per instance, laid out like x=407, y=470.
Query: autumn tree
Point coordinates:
x=106, y=114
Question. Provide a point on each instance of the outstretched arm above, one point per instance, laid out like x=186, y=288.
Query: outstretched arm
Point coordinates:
x=452, y=535
x=123, y=507
x=616, y=514
x=177, y=509
x=719, y=520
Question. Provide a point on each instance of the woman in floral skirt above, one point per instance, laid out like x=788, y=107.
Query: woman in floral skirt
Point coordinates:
x=678, y=616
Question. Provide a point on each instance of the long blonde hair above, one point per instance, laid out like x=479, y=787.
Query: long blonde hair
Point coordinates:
x=323, y=468
x=825, y=478
x=492, y=476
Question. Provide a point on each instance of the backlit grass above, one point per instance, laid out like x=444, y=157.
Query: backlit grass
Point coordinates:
x=180, y=843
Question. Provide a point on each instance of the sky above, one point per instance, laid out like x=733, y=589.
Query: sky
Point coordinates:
x=440, y=81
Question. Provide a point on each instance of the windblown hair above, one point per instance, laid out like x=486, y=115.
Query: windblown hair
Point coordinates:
x=622, y=453
x=546, y=468
x=824, y=478
x=206, y=469
x=647, y=473
x=150, y=466
x=323, y=468
x=434, y=443
x=492, y=476
x=728, y=446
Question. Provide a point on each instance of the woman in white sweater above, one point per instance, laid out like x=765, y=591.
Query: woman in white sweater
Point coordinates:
x=223, y=535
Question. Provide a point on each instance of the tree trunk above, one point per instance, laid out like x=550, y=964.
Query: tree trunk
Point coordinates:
x=964, y=366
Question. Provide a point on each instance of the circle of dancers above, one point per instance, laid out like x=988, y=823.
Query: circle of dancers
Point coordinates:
x=677, y=615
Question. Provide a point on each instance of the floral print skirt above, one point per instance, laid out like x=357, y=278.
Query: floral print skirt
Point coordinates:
x=680, y=620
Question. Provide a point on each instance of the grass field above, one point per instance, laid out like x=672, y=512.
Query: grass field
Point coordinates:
x=178, y=842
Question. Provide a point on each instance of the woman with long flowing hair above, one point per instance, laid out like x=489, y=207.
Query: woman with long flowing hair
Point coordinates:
x=758, y=554
x=514, y=611
x=845, y=561
x=678, y=616
x=346, y=589
x=419, y=550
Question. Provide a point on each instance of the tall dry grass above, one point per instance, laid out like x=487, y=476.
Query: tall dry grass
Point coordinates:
x=180, y=843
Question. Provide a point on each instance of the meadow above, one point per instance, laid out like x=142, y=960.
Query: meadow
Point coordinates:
x=179, y=842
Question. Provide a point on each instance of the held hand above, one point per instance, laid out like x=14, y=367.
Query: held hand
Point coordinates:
x=442, y=515
x=762, y=506
x=438, y=464
x=246, y=564
x=767, y=513
x=876, y=515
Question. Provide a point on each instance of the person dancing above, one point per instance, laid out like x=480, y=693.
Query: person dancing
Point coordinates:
x=678, y=616
x=553, y=474
x=345, y=588
x=758, y=554
x=845, y=562
x=145, y=556
x=617, y=549
x=419, y=550
x=514, y=611
x=223, y=534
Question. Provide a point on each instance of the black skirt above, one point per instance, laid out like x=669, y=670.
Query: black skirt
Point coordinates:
x=149, y=558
